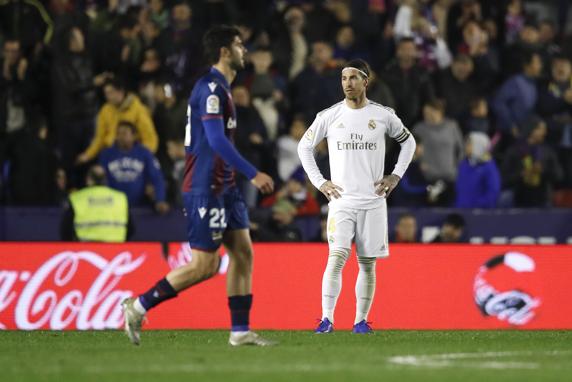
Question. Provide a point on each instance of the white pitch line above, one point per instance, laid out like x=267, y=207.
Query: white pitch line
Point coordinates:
x=472, y=360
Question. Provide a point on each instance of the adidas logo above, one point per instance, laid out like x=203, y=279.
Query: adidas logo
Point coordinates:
x=202, y=212
x=212, y=86
x=340, y=126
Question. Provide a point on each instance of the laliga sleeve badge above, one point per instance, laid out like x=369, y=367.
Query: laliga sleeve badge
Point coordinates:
x=213, y=104
x=309, y=134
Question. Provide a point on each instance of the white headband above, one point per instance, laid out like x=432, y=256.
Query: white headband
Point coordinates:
x=361, y=71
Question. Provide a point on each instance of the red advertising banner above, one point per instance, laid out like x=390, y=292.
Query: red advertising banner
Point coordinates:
x=72, y=286
x=80, y=286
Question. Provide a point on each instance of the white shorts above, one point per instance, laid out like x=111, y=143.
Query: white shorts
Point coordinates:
x=368, y=226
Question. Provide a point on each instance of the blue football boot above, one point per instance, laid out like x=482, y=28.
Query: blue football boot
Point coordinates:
x=362, y=327
x=325, y=326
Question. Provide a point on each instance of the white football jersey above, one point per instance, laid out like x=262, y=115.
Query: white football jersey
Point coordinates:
x=356, y=145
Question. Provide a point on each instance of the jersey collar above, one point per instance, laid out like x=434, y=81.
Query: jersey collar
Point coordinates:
x=215, y=72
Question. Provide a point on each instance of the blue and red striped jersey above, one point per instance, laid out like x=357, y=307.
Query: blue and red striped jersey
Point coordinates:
x=205, y=171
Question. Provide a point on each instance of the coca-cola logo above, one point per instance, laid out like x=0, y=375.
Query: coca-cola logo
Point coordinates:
x=49, y=297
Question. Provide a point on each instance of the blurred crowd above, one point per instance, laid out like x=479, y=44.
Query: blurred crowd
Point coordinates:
x=485, y=87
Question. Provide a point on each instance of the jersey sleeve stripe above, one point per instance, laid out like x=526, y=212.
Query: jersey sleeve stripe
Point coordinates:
x=211, y=116
x=403, y=136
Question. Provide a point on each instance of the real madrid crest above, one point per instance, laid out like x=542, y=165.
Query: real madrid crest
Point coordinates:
x=371, y=124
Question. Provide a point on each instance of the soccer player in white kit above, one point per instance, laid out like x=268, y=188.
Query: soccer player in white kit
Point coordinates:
x=355, y=130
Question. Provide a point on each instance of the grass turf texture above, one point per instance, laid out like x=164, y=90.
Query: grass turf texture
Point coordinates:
x=301, y=356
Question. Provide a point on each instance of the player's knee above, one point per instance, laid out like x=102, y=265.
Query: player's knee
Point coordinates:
x=206, y=265
x=243, y=258
x=337, y=259
x=367, y=264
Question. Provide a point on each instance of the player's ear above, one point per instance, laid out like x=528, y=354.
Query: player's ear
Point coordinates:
x=224, y=51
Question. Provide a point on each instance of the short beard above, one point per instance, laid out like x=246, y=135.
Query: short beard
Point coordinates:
x=236, y=65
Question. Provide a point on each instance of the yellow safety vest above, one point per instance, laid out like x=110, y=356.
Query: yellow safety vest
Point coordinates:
x=100, y=214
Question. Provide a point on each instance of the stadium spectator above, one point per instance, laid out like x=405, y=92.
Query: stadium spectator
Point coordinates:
x=346, y=48
x=290, y=49
x=105, y=20
x=252, y=140
x=159, y=14
x=296, y=191
x=485, y=59
x=379, y=92
x=35, y=177
x=514, y=20
x=121, y=51
x=176, y=171
x=151, y=73
x=96, y=212
x=278, y=225
x=460, y=13
x=318, y=85
x=150, y=33
x=294, y=212
x=324, y=19
x=287, y=148
x=74, y=99
x=514, y=54
x=16, y=93
x=132, y=168
x=478, y=180
x=452, y=230
x=28, y=21
x=406, y=229
x=515, y=100
x=442, y=148
x=410, y=85
x=547, y=43
x=407, y=12
x=120, y=106
x=267, y=89
x=169, y=115
x=180, y=43
x=555, y=105
x=434, y=52
x=530, y=167
x=478, y=119
x=456, y=87
x=412, y=190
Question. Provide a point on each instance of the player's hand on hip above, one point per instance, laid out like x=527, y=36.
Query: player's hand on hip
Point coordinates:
x=384, y=186
x=331, y=190
x=263, y=182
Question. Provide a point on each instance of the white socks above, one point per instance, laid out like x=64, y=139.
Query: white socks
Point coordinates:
x=138, y=307
x=365, y=287
x=332, y=282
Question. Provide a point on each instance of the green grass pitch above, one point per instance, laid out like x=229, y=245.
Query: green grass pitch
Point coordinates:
x=301, y=356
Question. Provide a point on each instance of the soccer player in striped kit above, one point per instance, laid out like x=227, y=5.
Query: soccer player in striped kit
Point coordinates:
x=216, y=213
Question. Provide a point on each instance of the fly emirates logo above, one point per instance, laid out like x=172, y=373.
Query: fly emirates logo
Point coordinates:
x=70, y=290
x=356, y=143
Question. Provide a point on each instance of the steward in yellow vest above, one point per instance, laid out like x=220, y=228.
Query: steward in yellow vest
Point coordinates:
x=97, y=212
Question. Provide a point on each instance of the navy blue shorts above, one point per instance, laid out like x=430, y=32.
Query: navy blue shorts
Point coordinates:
x=208, y=216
